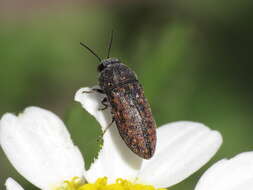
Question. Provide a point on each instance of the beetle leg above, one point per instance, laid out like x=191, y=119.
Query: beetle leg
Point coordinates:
x=110, y=124
x=104, y=131
x=105, y=103
x=94, y=90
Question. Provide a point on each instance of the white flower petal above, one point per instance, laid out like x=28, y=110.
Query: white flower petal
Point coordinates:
x=232, y=174
x=182, y=148
x=91, y=102
x=11, y=184
x=39, y=146
x=115, y=158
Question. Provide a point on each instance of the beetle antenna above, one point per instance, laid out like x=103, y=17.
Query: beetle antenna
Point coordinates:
x=110, y=45
x=90, y=50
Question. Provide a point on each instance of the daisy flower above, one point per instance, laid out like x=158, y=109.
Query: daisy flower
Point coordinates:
x=39, y=146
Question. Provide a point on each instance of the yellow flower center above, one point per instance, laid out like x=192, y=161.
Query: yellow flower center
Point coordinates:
x=101, y=184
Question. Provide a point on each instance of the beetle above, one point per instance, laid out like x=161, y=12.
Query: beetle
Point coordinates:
x=130, y=109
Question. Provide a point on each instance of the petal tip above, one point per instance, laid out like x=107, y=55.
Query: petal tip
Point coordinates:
x=91, y=102
x=32, y=109
x=6, y=122
x=79, y=94
x=7, y=117
x=11, y=184
x=217, y=135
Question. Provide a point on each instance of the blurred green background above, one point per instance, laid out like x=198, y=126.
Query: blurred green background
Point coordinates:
x=194, y=59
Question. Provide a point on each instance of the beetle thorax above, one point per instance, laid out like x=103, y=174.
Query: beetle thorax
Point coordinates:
x=115, y=74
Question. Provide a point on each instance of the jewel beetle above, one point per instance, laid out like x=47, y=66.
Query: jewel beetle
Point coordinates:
x=130, y=109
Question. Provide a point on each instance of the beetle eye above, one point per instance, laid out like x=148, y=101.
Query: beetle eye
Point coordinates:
x=100, y=67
